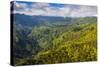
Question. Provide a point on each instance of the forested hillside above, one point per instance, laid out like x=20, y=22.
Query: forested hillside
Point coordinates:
x=49, y=41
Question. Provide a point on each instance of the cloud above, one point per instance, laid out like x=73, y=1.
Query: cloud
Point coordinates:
x=48, y=9
x=20, y=6
x=84, y=11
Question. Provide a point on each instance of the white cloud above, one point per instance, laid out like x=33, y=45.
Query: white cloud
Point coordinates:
x=84, y=11
x=48, y=10
x=20, y=5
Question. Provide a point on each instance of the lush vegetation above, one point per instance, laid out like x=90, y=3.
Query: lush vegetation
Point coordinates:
x=56, y=42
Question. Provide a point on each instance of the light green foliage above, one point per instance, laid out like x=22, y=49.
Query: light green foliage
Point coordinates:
x=60, y=44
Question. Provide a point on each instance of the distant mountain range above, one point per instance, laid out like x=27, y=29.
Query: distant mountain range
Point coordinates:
x=34, y=20
x=27, y=20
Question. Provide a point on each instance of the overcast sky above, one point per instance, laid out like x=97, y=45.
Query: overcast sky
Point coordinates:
x=51, y=9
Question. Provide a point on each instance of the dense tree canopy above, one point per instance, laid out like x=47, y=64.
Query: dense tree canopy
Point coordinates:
x=57, y=42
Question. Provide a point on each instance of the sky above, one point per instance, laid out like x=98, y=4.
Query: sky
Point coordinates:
x=54, y=9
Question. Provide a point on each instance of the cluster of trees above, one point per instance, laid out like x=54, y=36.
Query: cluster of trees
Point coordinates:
x=57, y=43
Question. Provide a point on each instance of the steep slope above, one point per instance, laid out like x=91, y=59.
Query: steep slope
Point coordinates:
x=56, y=42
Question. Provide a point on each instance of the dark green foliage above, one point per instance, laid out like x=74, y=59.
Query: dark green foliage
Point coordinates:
x=57, y=43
